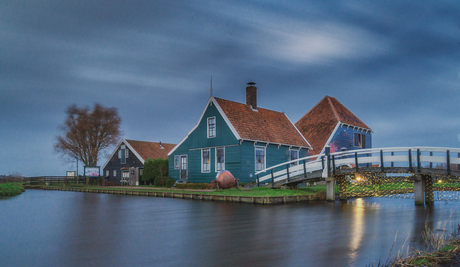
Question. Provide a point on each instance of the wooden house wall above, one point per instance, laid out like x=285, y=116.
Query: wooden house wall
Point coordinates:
x=344, y=137
x=197, y=140
x=115, y=164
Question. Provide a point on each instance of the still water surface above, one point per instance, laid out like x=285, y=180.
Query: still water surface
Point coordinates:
x=54, y=228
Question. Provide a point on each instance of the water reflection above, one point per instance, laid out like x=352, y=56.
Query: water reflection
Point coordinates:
x=75, y=229
x=358, y=226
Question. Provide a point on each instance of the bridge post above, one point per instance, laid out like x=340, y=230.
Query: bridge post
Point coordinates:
x=419, y=186
x=330, y=180
x=330, y=194
x=429, y=198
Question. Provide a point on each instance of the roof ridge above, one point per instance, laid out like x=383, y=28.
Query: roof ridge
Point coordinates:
x=282, y=112
x=333, y=108
x=317, y=103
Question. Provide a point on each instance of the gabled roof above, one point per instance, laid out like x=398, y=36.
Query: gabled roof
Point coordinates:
x=153, y=150
x=260, y=125
x=320, y=123
x=144, y=150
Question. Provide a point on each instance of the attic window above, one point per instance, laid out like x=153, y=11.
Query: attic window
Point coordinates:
x=211, y=127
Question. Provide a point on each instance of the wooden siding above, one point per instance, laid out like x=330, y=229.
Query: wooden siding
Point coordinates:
x=239, y=159
x=197, y=140
x=343, y=137
x=115, y=164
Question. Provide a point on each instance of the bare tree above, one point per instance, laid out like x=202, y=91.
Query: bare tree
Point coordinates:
x=86, y=134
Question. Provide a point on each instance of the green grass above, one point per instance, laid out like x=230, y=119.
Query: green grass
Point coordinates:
x=255, y=192
x=381, y=187
x=268, y=192
x=10, y=189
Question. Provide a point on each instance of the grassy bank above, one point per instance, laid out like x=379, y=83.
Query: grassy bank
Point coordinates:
x=438, y=250
x=253, y=192
x=10, y=189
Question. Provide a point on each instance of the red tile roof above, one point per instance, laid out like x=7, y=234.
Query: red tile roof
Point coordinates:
x=151, y=149
x=261, y=124
x=318, y=123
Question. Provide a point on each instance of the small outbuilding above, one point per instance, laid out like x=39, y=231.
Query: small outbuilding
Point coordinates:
x=329, y=123
x=125, y=165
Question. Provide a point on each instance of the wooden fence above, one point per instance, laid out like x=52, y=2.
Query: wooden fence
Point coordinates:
x=52, y=180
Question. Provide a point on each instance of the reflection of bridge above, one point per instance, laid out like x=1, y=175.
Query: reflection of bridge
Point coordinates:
x=422, y=164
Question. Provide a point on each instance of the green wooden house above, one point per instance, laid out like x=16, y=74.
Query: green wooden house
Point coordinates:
x=240, y=138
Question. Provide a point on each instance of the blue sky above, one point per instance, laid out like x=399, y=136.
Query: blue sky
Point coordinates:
x=395, y=64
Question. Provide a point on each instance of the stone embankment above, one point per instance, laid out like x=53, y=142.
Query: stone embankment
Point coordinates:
x=194, y=196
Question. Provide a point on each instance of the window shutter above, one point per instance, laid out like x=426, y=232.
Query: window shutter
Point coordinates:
x=364, y=141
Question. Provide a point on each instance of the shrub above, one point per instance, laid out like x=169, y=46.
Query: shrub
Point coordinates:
x=155, y=169
x=165, y=182
x=170, y=182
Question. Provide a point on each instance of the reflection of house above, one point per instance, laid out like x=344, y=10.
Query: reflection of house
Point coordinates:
x=331, y=123
x=132, y=154
x=240, y=138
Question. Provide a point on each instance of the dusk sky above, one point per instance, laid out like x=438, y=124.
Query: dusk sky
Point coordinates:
x=394, y=64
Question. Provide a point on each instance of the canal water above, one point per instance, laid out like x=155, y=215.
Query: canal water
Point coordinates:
x=55, y=228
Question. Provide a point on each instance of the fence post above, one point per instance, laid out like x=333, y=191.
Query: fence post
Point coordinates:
x=381, y=161
x=333, y=164
x=273, y=180
x=431, y=162
x=356, y=162
x=305, y=169
x=410, y=160
x=418, y=160
x=448, y=162
x=258, y=184
x=287, y=172
x=392, y=163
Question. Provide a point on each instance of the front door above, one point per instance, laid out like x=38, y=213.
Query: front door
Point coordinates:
x=183, y=167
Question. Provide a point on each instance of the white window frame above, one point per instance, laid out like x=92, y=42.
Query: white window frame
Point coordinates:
x=107, y=173
x=114, y=173
x=290, y=156
x=126, y=153
x=255, y=158
x=361, y=140
x=219, y=166
x=176, y=162
x=141, y=171
x=205, y=168
x=213, y=134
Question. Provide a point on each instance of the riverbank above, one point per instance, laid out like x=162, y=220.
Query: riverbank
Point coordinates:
x=439, y=251
x=11, y=189
x=256, y=195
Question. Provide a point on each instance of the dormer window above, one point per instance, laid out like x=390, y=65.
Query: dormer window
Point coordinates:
x=211, y=127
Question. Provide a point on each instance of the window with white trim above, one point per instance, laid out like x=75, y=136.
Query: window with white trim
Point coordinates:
x=359, y=140
x=294, y=155
x=205, y=160
x=122, y=154
x=107, y=173
x=127, y=153
x=114, y=173
x=260, y=158
x=176, y=162
x=220, y=159
x=211, y=127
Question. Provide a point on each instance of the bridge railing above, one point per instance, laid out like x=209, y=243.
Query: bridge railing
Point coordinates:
x=413, y=158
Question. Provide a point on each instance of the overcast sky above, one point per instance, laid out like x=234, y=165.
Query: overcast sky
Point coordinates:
x=394, y=64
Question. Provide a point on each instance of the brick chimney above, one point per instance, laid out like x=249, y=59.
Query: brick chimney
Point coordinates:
x=251, y=95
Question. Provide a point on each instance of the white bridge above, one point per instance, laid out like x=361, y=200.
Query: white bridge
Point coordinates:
x=416, y=160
